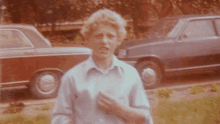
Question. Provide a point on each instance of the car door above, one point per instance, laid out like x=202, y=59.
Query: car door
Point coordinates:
x=196, y=47
x=15, y=48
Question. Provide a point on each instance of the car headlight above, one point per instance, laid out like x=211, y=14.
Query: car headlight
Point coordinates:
x=122, y=53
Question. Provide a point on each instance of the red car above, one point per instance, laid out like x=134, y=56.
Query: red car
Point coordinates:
x=27, y=58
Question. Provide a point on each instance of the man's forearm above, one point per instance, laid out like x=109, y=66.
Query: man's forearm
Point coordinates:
x=131, y=115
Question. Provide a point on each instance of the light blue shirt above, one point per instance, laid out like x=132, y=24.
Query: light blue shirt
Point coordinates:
x=79, y=88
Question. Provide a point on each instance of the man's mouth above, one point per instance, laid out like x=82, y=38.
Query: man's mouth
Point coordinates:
x=103, y=48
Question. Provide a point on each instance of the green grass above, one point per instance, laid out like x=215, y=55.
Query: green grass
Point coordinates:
x=196, y=89
x=164, y=93
x=198, y=111
x=205, y=110
x=21, y=119
x=215, y=87
x=46, y=107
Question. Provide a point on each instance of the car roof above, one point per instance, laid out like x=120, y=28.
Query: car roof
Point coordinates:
x=194, y=16
x=20, y=26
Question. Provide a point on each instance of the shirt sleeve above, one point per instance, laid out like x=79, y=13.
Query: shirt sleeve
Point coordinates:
x=63, y=110
x=139, y=101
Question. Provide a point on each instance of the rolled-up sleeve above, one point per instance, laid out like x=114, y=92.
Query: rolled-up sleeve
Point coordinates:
x=139, y=101
x=63, y=110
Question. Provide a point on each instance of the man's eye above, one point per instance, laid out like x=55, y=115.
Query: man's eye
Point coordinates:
x=98, y=35
x=111, y=36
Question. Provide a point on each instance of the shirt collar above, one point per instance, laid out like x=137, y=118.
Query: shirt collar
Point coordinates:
x=115, y=63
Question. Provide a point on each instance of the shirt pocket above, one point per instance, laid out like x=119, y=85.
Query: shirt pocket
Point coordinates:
x=84, y=100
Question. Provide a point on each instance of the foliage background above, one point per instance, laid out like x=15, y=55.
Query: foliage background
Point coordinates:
x=143, y=13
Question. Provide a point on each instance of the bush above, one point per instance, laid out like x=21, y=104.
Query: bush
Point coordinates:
x=14, y=107
x=196, y=89
x=46, y=107
x=78, y=37
x=41, y=119
x=164, y=93
x=215, y=87
x=130, y=36
x=13, y=110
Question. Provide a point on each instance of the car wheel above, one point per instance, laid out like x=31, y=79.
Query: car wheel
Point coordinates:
x=45, y=84
x=150, y=73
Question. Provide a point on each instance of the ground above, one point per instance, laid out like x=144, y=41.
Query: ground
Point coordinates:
x=176, y=96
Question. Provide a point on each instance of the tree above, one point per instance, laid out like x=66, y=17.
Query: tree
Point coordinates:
x=52, y=11
x=132, y=8
x=188, y=6
x=198, y=6
x=82, y=8
x=16, y=7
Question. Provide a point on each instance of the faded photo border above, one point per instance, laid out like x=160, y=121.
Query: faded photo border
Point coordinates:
x=193, y=92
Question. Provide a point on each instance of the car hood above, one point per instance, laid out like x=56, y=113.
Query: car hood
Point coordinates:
x=135, y=42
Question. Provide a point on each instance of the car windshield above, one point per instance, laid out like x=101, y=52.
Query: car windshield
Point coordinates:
x=164, y=28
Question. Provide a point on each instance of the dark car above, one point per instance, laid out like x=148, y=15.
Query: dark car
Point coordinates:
x=27, y=58
x=176, y=45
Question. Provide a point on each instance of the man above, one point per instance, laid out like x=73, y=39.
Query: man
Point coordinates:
x=102, y=89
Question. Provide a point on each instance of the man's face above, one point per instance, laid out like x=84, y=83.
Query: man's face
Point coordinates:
x=103, y=41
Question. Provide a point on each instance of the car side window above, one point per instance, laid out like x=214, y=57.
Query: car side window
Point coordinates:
x=13, y=39
x=198, y=29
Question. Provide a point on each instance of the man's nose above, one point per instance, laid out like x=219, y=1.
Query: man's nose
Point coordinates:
x=105, y=39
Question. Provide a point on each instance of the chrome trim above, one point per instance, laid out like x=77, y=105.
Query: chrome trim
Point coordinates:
x=24, y=26
x=197, y=39
x=203, y=17
x=24, y=36
x=23, y=48
x=45, y=55
x=189, y=68
x=146, y=44
x=17, y=82
x=143, y=56
x=48, y=69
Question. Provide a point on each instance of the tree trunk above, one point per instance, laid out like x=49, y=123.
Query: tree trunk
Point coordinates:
x=135, y=27
x=155, y=9
x=16, y=17
x=53, y=27
x=166, y=8
x=186, y=9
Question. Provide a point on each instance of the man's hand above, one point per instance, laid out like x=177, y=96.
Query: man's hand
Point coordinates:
x=113, y=106
x=109, y=104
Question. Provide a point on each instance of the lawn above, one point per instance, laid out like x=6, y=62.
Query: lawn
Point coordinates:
x=21, y=119
x=200, y=110
x=204, y=110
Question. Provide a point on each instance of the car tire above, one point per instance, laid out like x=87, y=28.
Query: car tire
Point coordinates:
x=150, y=74
x=45, y=84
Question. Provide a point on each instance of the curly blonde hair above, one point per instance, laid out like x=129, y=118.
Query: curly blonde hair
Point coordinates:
x=105, y=16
